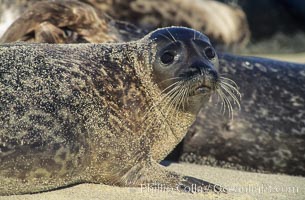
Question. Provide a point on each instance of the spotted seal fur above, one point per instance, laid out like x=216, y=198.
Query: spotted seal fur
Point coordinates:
x=102, y=113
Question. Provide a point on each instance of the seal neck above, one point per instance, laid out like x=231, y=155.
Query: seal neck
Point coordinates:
x=169, y=125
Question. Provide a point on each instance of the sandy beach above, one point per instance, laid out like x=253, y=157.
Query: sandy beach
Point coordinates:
x=240, y=185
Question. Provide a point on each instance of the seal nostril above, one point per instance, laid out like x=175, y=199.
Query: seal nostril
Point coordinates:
x=201, y=68
x=214, y=74
x=195, y=69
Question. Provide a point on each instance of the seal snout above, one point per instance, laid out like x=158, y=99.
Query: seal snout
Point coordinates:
x=201, y=76
x=200, y=69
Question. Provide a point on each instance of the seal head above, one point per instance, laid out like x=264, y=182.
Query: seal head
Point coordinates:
x=185, y=66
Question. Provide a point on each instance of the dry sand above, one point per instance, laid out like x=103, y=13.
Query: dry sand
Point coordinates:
x=296, y=57
x=241, y=185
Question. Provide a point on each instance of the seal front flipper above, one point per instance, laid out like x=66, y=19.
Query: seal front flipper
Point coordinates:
x=155, y=176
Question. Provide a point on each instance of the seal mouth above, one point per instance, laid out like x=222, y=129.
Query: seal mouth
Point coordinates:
x=199, y=81
x=202, y=89
x=201, y=84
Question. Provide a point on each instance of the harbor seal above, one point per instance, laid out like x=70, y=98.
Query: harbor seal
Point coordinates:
x=102, y=113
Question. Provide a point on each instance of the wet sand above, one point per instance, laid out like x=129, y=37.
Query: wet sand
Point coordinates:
x=241, y=185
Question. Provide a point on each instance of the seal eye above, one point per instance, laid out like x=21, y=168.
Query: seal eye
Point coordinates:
x=167, y=58
x=209, y=52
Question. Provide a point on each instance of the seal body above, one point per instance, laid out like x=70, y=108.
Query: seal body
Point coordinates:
x=91, y=113
x=268, y=133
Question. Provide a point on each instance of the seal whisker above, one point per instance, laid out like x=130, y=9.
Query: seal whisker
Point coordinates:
x=185, y=95
x=170, y=79
x=201, y=36
x=162, y=99
x=226, y=106
x=163, y=96
x=170, y=96
x=171, y=35
x=167, y=38
x=172, y=106
x=232, y=88
x=229, y=106
x=236, y=101
x=181, y=102
x=180, y=96
x=169, y=104
x=175, y=99
x=223, y=108
x=173, y=91
x=228, y=79
x=168, y=87
x=226, y=103
x=178, y=99
x=217, y=95
x=174, y=85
